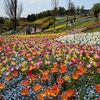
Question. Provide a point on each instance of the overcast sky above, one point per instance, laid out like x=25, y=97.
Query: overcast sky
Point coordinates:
x=36, y=6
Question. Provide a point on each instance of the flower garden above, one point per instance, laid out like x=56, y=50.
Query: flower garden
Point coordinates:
x=50, y=67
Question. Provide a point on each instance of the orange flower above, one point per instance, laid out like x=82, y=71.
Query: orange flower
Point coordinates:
x=54, y=69
x=55, y=89
x=2, y=85
x=45, y=75
x=64, y=97
x=78, y=72
x=36, y=87
x=67, y=78
x=98, y=70
x=8, y=77
x=60, y=80
x=14, y=73
x=25, y=82
x=81, y=68
x=25, y=91
x=75, y=76
x=70, y=92
x=39, y=96
x=97, y=87
x=55, y=65
x=46, y=92
x=37, y=67
x=33, y=77
x=62, y=69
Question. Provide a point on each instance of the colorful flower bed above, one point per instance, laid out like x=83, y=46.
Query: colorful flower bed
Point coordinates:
x=43, y=68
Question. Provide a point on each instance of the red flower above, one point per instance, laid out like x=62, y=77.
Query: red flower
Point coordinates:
x=98, y=98
x=14, y=73
x=1, y=97
x=25, y=91
x=97, y=87
x=29, y=72
x=60, y=80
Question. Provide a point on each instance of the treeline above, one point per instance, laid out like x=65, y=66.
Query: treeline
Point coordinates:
x=61, y=11
x=33, y=17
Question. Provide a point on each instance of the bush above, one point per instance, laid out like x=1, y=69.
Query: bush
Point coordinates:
x=47, y=24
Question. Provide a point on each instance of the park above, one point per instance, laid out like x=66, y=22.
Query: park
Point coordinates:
x=52, y=55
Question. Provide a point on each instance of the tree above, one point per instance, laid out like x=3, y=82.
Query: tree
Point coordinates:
x=61, y=11
x=82, y=9
x=71, y=8
x=77, y=9
x=13, y=11
x=31, y=17
x=54, y=4
x=96, y=7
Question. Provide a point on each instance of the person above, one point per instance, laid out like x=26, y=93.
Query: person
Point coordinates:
x=35, y=29
x=74, y=18
x=71, y=23
x=28, y=30
x=96, y=15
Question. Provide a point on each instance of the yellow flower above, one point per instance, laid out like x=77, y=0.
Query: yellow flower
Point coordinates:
x=80, y=55
x=94, y=63
x=72, y=58
x=0, y=64
x=46, y=62
x=60, y=54
x=12, y=63
x=65, y=62
x=69, y=57
x=23, y=69
x=7, y=66
x=87, y=55
x=91, y=58
x=3, y=69
x=74, y=55
x=6, y=59
x=47, y=56
x=24, y=63
x=32, y=62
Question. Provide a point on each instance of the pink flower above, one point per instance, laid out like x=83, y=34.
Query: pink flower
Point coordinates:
x=88, y=66
x=98, y=63
x=82, y=62
x=10, y=68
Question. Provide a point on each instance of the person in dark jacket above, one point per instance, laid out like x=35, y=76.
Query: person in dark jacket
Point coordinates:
x=96, y=12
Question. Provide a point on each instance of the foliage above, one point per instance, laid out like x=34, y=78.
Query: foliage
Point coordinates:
x=43, y=20
x=2, y=20
x=47, y=24
x=61, y=11
x=31, y=17
x=96, y=6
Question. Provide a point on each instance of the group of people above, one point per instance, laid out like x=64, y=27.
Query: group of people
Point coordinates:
x=29, y=29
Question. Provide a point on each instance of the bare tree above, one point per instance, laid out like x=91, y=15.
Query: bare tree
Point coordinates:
x=67, y=10
x=13, y=11
x=54, y=4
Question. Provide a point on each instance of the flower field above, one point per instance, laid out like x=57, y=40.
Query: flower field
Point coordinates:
x=50, y=67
